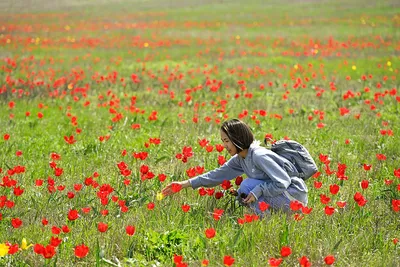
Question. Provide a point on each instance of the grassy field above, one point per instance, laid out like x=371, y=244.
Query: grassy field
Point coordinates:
x=98, y=98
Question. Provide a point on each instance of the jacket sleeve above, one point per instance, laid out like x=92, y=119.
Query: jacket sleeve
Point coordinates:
x=280, y=180
x=227, y=171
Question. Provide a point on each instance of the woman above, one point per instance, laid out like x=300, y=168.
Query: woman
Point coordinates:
x=267, y=172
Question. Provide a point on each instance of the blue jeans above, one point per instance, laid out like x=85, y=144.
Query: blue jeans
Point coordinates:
x=277, y=203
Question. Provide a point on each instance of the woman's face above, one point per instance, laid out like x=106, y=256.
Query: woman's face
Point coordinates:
x=228, y=144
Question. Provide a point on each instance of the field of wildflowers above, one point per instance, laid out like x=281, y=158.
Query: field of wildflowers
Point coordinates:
x=105, y=102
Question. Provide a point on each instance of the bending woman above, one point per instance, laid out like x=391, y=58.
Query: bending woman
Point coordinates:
x=267, y=178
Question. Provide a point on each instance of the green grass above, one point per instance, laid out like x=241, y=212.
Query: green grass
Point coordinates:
x=356, y=236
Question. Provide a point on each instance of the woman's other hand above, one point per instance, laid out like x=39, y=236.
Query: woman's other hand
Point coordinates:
x=249, y=199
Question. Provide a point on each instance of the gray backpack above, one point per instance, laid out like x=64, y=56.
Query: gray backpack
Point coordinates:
x=296, y=154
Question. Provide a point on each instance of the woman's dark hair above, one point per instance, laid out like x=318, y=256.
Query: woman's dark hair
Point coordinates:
x=239, y=133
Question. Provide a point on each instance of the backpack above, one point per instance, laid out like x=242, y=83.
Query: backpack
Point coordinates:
x=297, y=154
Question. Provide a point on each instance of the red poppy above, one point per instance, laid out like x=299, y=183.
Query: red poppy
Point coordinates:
x=73, y=215
x=329, y=210
x=210, y=232
x=219, y=195
x=367, y=167
x=317, y=184
x=341, y=204
x=334, y=189
x=364, y=184
x=65, y=229
x=304, y=262
x=150, y=206
x=274, y=262
x=204, y=262
x=324, y=199
x=185, y=208
x=263, y=206
x=102, y=227
x=55, y=241
x=238, y=180
x=130, y=230
x=228, y=260
x=329, y=260
x=306, y=210
x=295, y=205
x=286, y=251
x=12, y=249
x=16, y=222
x=176, y=187
x=81, y=251
x=380, y=156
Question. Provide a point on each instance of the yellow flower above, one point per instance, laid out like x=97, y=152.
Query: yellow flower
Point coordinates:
x=354, y=67
x=24, y=244
x=159, y=196
x=3, y=250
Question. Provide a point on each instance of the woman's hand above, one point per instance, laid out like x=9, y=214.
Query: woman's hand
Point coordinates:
x=174, y=187
x=249, y=199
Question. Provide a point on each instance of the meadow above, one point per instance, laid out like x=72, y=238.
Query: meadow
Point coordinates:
x=103, y=103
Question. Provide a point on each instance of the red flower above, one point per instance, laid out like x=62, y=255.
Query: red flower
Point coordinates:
x=219, y=195
x=204, y=262
x=18, y=153
x=380, y=156
x=6, y=137
x=317, y=184
x=217, y=214
x=306, y=210
x=228, y=260
x=55, y=241
x=12, y=249
x=81, y=251
x=324, y=199
x=274, y=262
x=286, y=251
x=162, y=177
x=295, y=205
x=367, y=167
x=364, y=184
x=16, y=222
x=18, y=191
x=334, y=189
x=70, y=139
x=65, y=229
x=263, y=206
x=329, y=210
x=55, y=230
x=221, y=160
x=329, y=260
x=176, y=187
x=185, y=208
x=150, y=206
x=49, y=252
x=130, y=230
x=226, y=184
x=38, y=249
x=102, y=227
x=219, y=147
x=397, y=173
x=210, y=232
x=73, y=215
x=396, y=205
x=341, y=204
x=304, y=262
x=238, y=180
